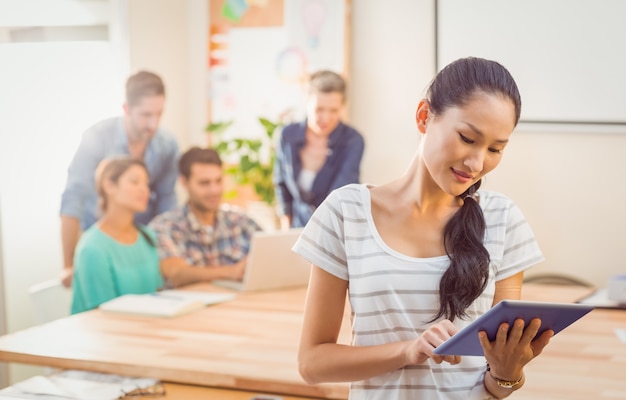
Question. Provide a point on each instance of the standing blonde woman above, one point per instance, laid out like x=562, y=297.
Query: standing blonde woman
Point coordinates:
x=115, y=256
x=318, y=155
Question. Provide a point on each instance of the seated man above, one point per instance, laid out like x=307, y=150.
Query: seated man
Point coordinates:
x=202, y=240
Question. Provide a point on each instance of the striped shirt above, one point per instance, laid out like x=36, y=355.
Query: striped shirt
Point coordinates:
x=393, y=295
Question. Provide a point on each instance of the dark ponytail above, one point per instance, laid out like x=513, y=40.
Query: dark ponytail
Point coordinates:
x=466, y=277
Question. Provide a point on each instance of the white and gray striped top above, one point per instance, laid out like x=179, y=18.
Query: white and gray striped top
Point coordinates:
x=392, y=295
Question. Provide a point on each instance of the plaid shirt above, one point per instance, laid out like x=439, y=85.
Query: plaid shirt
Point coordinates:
x=180, y=234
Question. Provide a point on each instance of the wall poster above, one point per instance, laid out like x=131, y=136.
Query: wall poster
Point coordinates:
x=261, y=53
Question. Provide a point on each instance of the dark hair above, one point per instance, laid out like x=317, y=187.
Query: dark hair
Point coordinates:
x=466, y=278
x=143, y=84
x=112, y=169
x=326, y=81
x=197, y=155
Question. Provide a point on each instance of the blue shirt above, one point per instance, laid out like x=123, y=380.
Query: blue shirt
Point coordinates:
x=106, y=139
x=342, y=166
x=105, y=268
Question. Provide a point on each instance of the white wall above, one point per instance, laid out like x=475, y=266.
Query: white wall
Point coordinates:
x=4, y=368
x=44, y=87
x=570, y=187
x=44, y=115
x=392, y=62
x=170, y=37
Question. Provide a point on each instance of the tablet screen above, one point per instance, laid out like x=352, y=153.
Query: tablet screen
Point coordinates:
x=555, y=316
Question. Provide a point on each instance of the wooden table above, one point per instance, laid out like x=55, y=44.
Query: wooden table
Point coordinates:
x=177, y=391
x=250, y=344
x=586, y=361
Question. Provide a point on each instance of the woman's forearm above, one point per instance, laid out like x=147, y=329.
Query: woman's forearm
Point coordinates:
x=331, y=362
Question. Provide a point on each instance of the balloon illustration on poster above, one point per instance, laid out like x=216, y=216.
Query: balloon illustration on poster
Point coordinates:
x=313, y=17
x=291, y=65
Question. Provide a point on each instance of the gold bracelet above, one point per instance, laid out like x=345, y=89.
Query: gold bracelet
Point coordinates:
x=505, y=384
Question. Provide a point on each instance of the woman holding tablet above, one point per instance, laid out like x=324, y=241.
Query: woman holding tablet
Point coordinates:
x=424, y=255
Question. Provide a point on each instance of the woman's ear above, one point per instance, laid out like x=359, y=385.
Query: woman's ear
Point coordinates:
x=421, y=115
x=107, y=186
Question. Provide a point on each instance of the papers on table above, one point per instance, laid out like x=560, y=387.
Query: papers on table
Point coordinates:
x=621, y=335
x=600, y=299
x=207, y=298
x=167, y=303
x=76, y=385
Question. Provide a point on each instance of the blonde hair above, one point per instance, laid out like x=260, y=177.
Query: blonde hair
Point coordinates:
x=326, y=81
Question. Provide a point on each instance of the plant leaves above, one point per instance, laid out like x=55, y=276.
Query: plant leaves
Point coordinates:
x=269, y=126
x=218, y=127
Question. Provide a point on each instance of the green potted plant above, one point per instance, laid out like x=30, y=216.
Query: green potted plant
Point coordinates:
x=254, y=159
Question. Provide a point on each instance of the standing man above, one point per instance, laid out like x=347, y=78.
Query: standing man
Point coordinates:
x=135, y=134
x=204, y=239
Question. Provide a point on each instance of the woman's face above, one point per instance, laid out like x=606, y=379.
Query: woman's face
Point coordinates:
x=324, y=112
x=463, y=144
x=131, y=191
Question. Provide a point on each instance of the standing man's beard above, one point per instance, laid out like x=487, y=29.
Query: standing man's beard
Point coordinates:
x=139, y=136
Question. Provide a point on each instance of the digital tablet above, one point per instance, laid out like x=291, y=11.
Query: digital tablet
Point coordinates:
x=555, y=316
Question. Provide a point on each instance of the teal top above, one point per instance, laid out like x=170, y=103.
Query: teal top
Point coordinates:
x=105, y=268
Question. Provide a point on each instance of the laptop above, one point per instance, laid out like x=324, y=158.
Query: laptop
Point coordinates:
x=271, y=263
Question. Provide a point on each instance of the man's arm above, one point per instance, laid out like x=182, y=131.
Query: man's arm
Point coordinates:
x=80, y=181
x=179, y=273
x=165, y=187
x=70, y=233
x=175, y=268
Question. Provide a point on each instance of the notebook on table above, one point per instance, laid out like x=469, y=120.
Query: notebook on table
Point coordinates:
x=166, y=303
x=271, y=263
x=151, y=305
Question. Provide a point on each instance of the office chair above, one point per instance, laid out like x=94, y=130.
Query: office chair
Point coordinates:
x=557, y=279
x=51, y=300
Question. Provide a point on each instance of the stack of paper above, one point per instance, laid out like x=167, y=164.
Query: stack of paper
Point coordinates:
x=76, y=385
x=151, y=305
x=600, y=299
x=207, y=298
x=167, y=303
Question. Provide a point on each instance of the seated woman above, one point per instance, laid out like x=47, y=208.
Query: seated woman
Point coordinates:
x=114, y=256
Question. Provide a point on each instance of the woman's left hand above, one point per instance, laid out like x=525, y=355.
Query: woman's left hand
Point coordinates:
x=511, y=351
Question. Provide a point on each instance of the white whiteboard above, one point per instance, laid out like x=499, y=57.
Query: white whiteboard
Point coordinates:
x=568, y=57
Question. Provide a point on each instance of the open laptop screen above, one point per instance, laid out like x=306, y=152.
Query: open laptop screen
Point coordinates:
x=271, y=263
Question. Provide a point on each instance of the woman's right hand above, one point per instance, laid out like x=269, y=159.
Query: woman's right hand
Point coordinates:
x=421, y=349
